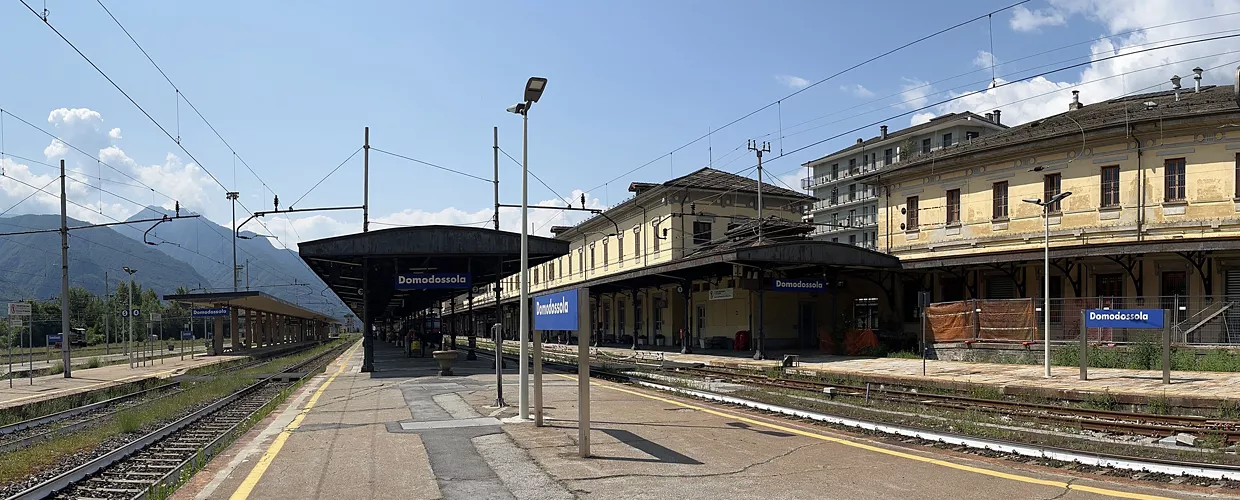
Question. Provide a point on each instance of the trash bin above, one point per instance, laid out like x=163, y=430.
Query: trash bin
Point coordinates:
x=741, y=342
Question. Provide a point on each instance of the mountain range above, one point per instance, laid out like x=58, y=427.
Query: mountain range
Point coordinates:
x=192, y=252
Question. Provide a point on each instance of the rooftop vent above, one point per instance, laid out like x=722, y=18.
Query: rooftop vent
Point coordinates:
x=997, y=119
x=882, y=131
x=1076, y=101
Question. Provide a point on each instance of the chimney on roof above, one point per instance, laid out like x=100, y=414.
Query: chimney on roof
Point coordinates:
x=882, y=131
x=1076, y=101
x=859, y=140
x=1197, y=79
x=997, y=122
x=990, y=117
x=1175, y=85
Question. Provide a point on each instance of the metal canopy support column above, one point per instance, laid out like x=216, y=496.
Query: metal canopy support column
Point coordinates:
x=633, y=293
x=469, y=330
x=217, y=337
x=686, y=336
x=368, y=336
x=249, y=329
x=760, y=338
x=453, y=322
x=233, y=330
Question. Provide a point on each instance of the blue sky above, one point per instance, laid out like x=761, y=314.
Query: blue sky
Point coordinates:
x=291, y=89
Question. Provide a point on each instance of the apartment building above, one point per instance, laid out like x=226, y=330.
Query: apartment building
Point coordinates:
x=847, y=209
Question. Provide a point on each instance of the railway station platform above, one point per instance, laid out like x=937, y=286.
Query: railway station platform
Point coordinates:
x=90, y=379
x=1192, y=388
x=402, y=431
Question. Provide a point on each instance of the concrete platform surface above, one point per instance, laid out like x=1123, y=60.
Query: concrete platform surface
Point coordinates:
x=1145, y=383
x=405, y=432
x=89, y=379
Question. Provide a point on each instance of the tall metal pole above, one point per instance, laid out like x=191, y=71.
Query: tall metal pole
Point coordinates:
x=759, y=149
x=366, y=183
x=523, y=395
x=64, y=276
x=497, y=330
x=129, y=342
x=232, y=195
x=107, y=331
x=1046, y=296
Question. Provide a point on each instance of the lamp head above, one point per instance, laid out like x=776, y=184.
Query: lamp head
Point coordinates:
x=534, y=88
x=518, y=108
x=1033, y=201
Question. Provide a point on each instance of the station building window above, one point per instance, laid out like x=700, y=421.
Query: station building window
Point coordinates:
x=1173, y=179
x=953, y=206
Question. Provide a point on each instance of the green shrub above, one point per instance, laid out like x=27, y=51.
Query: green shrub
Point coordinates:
x=58, y=367
x=1218, y=360
x=1066, y=357
x=94, y=363
x=1101, y=401
x=1183, y=359
x=904, y=355
x=1229, y=409
x=1144, y=355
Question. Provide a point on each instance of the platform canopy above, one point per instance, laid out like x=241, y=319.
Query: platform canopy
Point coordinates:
x=251, y=300
x=368, y=265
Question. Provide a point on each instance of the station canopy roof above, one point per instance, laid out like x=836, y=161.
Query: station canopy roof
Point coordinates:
x=254, y=300
x=376, y=258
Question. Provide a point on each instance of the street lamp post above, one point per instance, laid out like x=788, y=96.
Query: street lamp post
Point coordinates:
x=533, y=90
x=1046, y=274
x=232, y=195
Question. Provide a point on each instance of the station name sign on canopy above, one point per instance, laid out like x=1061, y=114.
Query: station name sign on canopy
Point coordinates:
x=429, y=281
x=783, y=285
x=209, y=312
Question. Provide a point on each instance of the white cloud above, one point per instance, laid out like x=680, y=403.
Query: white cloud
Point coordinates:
x=1026, y=21
x=858, y=90
x=183, y=182
x=795, y=82
x=984, y=59
x=115, y=133
x=920, y=118
x=1043, y=96
x=915, y=93
x=56, y=149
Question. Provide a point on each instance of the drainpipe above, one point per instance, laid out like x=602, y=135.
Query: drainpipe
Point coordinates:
x=888, y=210
x=641, y=237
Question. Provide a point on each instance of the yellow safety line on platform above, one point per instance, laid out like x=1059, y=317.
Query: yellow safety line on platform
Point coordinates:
x=260, y=468
x=885, y=451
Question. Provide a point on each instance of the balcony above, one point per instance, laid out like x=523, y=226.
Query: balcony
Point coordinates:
x=822, y=180
x=863, y=195
x=849, y=224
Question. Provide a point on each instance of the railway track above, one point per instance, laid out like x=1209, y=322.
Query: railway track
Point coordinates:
x=46, y=427
x=1117, y=422
x=160, y=459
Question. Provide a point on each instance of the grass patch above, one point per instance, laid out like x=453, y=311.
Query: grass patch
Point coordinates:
x=1101, y=401
x=57, y=368
x=94, y=363
x=904, y=355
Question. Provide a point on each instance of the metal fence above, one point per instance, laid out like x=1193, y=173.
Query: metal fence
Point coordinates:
x=1194, y=319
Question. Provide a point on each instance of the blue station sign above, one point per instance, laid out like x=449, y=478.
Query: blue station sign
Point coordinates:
x=428, y=281
x=209, y=312
x=54, y=338
x=187, y=335
x=783, y=285
x=1124, y=318
x=556, y=311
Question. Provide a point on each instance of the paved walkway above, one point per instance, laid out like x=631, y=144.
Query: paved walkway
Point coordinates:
x=54, y=386
x=404, y=432
x=1143, y=383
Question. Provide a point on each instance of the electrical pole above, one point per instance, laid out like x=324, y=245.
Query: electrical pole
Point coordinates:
x=129, y=313
x=765, y=147
x=232, y=195
x=64, y=276
x=366, y=182
x=107, y=309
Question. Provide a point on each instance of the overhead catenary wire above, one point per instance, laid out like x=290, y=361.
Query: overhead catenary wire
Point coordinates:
x=539, y=179
x=429, y=164
x=811, y=85
x=181, y=96
x=158, y=125
x=329, y=174
x=1000, y=85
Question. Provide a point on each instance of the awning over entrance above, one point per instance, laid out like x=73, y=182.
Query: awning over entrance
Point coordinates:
x=363, y=269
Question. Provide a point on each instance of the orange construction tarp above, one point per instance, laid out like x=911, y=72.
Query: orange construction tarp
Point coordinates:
x=858, y=341
x=949, y=321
